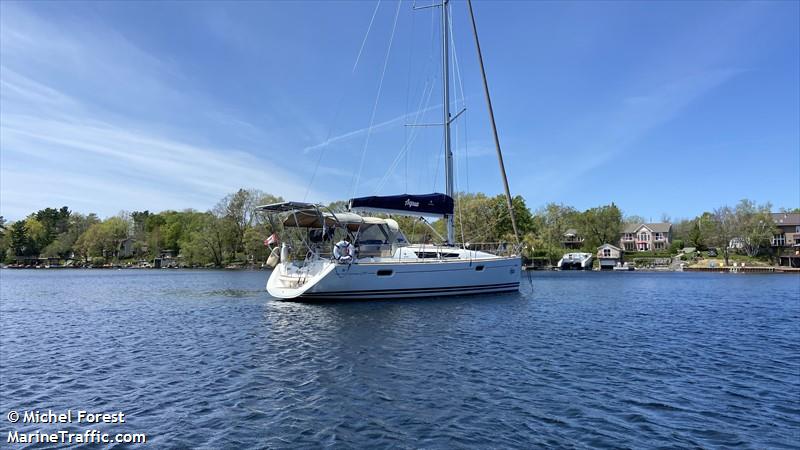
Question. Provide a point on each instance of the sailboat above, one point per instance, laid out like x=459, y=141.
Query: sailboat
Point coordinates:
x=376, y=259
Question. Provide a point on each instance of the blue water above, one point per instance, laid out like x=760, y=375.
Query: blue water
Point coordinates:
x=203, y=359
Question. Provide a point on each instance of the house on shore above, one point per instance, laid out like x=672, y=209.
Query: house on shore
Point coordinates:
x=646, y=237
x=126, y=248
x=572, y=239
x=788, y=227
x=609, y=255
x=786, y=242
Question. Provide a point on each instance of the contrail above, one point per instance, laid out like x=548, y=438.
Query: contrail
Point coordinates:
x=354, y=133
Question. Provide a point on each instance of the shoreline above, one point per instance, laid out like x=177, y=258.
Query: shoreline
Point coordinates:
x=733, y=270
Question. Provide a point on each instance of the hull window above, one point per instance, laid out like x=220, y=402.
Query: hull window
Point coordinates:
x=423, y=255
x=385, y=273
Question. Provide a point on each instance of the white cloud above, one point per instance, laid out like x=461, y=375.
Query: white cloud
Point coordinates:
x=79, y=125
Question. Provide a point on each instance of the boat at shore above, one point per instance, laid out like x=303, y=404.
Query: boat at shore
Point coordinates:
x=330, y=255
x=624, y=267
x=576, y=261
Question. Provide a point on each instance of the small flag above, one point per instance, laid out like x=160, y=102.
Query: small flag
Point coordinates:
x=272, y=239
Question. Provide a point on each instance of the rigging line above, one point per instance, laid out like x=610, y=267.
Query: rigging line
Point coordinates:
x=456, y=65
x=364, y=42
x=419, y=115
x=377, y=99
x=322, y=150
x=458, y=195
x=431, y=62
x=406, y=150
x=438, y=161
x=483, y=233
x=414, y=135
x=457, y=155
x=408, y=91
x=466, y=151
x=463, y=99
x=339, y=106
x=431, y=78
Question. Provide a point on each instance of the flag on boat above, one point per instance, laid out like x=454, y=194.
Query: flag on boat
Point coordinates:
x=272, y=239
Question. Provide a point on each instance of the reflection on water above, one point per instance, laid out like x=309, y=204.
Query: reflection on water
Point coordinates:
x=203, y=358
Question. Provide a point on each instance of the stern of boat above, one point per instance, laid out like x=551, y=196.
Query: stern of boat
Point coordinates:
x=289, y=281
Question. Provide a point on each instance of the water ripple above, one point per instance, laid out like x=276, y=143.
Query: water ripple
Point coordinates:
x=207, y=360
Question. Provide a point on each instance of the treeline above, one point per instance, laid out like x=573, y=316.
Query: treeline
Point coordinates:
x=749, y=224
x=233, y=233
x=486, y=219
x=228, y=233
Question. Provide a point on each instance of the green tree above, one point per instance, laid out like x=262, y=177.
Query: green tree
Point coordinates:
x=116, y=228
x=66, y=243
x=5, y=241
x=61, y=247
x=755, y=225
x=553, y=221
x=676, y=246
x=475, y=219
x=503, y=229
x=254, y=247
x=206, y=244
x=681, y=229
x=695, y=235
x=20, y=240
x=152, y=227
x=701, y=231
x=90, y=243
x=54, y=221
x=725, y=229
x=37, y=236
x=238, y=213
x=102, y=240
x=600, y=225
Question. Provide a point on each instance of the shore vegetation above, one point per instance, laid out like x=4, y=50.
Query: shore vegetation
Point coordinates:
x=232, y=233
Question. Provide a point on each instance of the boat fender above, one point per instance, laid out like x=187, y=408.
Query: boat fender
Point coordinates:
x=274, y=258
x=284, y=252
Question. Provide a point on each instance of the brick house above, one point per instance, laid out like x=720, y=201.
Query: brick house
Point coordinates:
x=645, y=237
x=788, y=236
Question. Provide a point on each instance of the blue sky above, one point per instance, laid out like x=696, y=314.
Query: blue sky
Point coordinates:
x=660, y=107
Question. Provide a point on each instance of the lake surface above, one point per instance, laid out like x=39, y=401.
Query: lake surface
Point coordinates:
x=205, y=359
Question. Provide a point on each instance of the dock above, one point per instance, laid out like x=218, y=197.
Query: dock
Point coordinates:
x=770, y=269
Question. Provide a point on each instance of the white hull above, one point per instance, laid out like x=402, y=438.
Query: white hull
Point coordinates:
x=576, y=261
x=394, y=279
x=387, y=266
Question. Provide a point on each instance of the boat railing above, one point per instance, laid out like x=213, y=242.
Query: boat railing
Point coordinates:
x=496, y=248
x=303, y=257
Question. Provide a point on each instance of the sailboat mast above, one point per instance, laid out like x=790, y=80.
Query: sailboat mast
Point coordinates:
x=509, y=199
x=448, y=154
